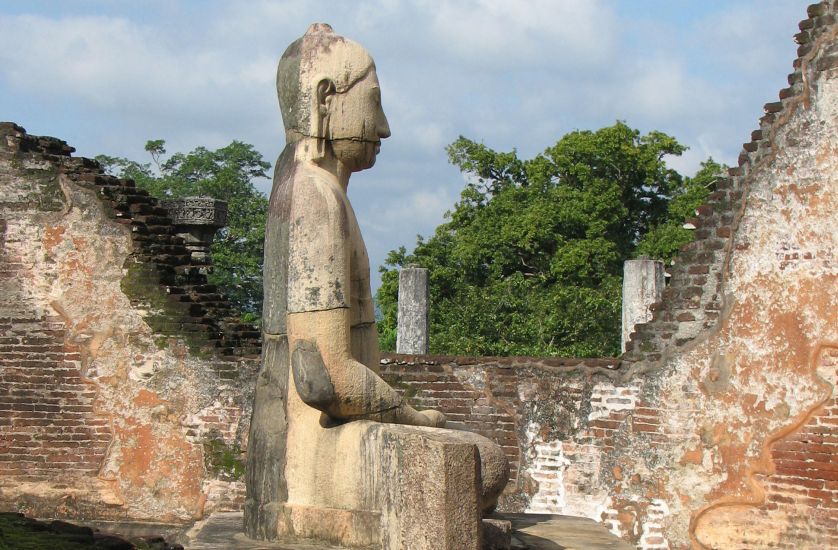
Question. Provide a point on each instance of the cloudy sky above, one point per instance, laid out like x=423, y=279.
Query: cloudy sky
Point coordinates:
x=108, y=75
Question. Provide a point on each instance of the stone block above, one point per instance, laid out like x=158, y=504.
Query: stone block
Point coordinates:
x=421, y=489
x=432, y=497
x=643, y=284
x=497, y=534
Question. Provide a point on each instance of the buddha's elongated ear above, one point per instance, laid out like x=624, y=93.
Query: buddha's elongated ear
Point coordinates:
x=325, y=94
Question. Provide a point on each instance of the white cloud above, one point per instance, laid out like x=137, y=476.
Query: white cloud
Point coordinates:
x=737, y=34
x=115, y=65
x=660, y=88
x=498, y=33
x=511, y=74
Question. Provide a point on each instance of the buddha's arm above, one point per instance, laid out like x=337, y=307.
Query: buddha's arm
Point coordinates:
x=325, y=374
x=328, y=378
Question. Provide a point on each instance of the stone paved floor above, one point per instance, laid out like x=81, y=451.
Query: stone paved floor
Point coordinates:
x=550, y=532
x=222, y=531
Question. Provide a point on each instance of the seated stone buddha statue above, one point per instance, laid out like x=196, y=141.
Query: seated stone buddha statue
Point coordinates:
x=335, y=453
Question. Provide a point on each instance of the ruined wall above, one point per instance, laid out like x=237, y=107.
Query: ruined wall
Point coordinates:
x=122, y=387
x=642, y=455
x=123, y=390
x=718, y=428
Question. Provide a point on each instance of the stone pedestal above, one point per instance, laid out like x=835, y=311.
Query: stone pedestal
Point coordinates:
x=420, y=489
x=643, y=283
x=413, y=320
x=196, y=219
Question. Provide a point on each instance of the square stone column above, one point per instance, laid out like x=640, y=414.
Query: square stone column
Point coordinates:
x=414, y=311
x=643, y=283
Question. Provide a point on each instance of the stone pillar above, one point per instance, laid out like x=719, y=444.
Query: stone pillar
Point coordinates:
x=196, y=219
x=413, y=320
x=643, y=282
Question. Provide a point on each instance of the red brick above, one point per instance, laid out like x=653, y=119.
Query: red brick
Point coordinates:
x=641, y=427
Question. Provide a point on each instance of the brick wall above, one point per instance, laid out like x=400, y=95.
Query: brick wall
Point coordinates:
x=582, y=441
x=693, y=301
x=715, y=430
x=120, y=367
x=40, y=374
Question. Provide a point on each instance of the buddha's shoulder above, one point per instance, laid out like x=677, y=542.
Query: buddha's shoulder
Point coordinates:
x=317, y=187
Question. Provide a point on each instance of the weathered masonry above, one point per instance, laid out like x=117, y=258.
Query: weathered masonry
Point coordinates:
x=124, y=381
x=121, y=370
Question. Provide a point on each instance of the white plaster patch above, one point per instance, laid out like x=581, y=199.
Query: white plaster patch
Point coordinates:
x=547, y=466
x=652, y=537
x=606, y=398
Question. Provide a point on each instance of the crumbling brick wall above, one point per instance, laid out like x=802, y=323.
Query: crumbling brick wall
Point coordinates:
x=636, y=453
x=124, y=377
x=716, y=430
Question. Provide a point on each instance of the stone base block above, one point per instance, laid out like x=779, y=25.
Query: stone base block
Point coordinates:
x=497, y=534
x=432, y=499
x=418, y=489
x=353, y=528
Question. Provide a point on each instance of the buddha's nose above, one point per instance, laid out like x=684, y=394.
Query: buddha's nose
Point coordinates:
x=383, y=127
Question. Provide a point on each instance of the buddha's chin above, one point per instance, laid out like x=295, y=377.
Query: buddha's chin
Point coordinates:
x=367, y=160
x=357, y=155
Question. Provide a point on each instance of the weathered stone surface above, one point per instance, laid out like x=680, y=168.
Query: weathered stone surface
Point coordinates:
x=643, y=282
x=551, y=532
x=195, y=220
x=432, y=491
x=347, y=478
x=113, y=389
x=414, y=311
x=197, y=211
x=540, y=532
x=311, y=379
x=497, y=534
x=266, y=487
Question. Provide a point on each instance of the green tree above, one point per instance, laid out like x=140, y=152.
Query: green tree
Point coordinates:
x=663, y=241
x=227, y=174
x=530, y=260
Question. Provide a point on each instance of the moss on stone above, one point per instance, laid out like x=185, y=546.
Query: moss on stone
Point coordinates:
x=165, y=316
x=162, y=342
x=223, y=460
x=408, y=391
x=22, y=533
x=48, y=196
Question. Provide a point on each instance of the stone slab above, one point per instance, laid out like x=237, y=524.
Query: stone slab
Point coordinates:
x=555, y=532
x=223, y=531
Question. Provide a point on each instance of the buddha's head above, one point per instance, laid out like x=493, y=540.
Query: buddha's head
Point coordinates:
x=328, y=90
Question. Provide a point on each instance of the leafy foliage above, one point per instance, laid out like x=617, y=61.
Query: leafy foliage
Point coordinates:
x=226, y=174
x=529, y=262
x=665, y=239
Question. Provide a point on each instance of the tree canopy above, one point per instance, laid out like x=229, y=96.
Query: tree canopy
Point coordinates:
x=529, y=262
x=226, y=174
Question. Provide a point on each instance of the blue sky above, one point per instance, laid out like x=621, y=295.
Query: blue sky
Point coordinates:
x=108, y=75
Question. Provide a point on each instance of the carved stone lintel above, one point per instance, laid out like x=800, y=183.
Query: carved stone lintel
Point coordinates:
x=197, y=211
x=196, y=219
